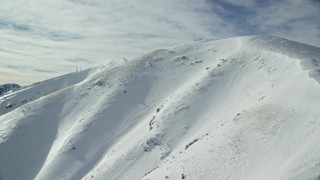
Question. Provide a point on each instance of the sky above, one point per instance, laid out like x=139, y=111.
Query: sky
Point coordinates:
x=41, y=39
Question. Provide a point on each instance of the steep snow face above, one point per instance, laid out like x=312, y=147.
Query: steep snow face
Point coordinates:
x=238, y=108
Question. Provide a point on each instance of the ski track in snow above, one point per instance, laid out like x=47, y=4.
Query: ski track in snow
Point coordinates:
x=237, y=108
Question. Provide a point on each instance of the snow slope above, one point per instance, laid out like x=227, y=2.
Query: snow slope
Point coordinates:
x=38, y=90
x=238, y=108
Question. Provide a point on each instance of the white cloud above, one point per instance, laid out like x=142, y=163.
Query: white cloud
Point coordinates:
x=293, y=19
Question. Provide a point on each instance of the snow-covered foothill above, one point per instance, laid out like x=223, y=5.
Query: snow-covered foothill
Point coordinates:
x=8, y=88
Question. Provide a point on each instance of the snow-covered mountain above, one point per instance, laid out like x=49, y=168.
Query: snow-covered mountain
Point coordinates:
x=7, y=88
x=238, y=108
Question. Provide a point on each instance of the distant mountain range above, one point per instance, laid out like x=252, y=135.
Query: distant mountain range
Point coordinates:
x=5, y=88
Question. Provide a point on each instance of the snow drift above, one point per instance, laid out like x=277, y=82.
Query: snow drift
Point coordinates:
x=238, y=108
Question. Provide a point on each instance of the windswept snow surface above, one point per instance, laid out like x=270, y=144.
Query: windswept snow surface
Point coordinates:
x=238, y=108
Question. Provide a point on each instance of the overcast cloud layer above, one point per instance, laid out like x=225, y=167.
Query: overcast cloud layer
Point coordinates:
x=41, y=39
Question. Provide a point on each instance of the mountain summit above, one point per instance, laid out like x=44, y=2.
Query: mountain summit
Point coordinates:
x=238, y=108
